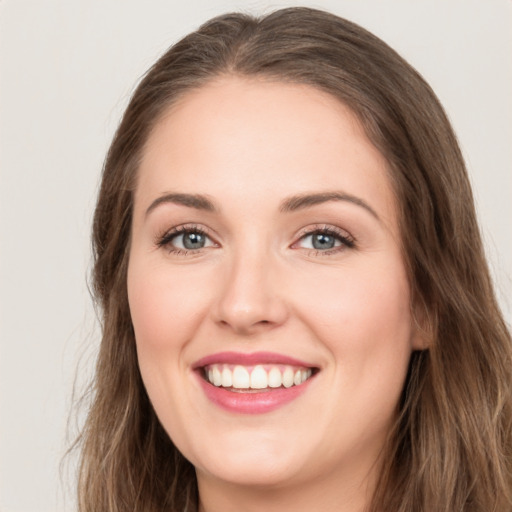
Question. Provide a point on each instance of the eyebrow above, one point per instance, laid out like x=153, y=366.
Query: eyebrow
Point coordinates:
x=299, y=202
x=291, y=204
x=197, y=201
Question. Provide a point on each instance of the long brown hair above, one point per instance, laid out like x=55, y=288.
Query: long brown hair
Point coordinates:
x=451, y=448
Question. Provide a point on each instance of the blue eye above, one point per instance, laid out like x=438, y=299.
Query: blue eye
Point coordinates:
x=322, y=241
x=190, y=240
x=185, y=239
x=326, y=240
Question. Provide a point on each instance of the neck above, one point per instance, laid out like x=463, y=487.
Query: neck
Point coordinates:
x=341, y=493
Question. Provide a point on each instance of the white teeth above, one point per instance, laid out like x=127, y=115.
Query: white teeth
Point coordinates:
x=227, y=378
x=275, y=379
x=259, y=379
x=288, y=378
x=240, y=377
x=217, y=376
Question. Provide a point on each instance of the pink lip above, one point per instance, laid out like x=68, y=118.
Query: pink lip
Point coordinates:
x=252, y=403
x=249, y=359
x=256, y=402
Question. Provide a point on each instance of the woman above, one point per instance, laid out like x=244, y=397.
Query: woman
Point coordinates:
x=297, y=312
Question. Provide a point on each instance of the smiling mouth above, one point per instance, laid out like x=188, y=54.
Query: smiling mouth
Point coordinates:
x=255, y=379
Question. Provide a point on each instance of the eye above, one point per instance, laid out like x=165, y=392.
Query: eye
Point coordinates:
x=183, y=239
x=321, y=241
x=326, y=240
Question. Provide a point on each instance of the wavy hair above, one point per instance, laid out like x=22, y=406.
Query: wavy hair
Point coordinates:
x=451, y=447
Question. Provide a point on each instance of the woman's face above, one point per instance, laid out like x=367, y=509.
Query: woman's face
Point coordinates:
x=267, y=289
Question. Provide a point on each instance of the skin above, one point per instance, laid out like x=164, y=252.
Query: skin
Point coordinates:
x=258, y=285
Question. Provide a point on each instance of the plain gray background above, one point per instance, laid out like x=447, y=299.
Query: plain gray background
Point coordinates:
x=67, y=68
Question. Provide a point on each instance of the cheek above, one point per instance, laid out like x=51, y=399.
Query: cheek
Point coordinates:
x=360, y=300
x=367, y=328
x=165, y=306
x=364, y=320
x=166, y=309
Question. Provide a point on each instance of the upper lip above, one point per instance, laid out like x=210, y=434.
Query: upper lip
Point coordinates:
x=251, y=359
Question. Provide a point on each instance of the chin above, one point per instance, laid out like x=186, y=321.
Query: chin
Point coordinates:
x=263, y=460
x=253, y=472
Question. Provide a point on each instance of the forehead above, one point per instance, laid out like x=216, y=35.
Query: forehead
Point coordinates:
x=262, y=139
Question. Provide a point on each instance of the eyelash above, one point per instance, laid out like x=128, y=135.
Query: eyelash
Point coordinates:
x=164, y=241
x=347, y=241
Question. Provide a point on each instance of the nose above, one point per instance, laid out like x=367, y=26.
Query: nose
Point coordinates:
x=251, y=298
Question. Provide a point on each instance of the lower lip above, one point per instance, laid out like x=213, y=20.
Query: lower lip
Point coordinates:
x=258, y=402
